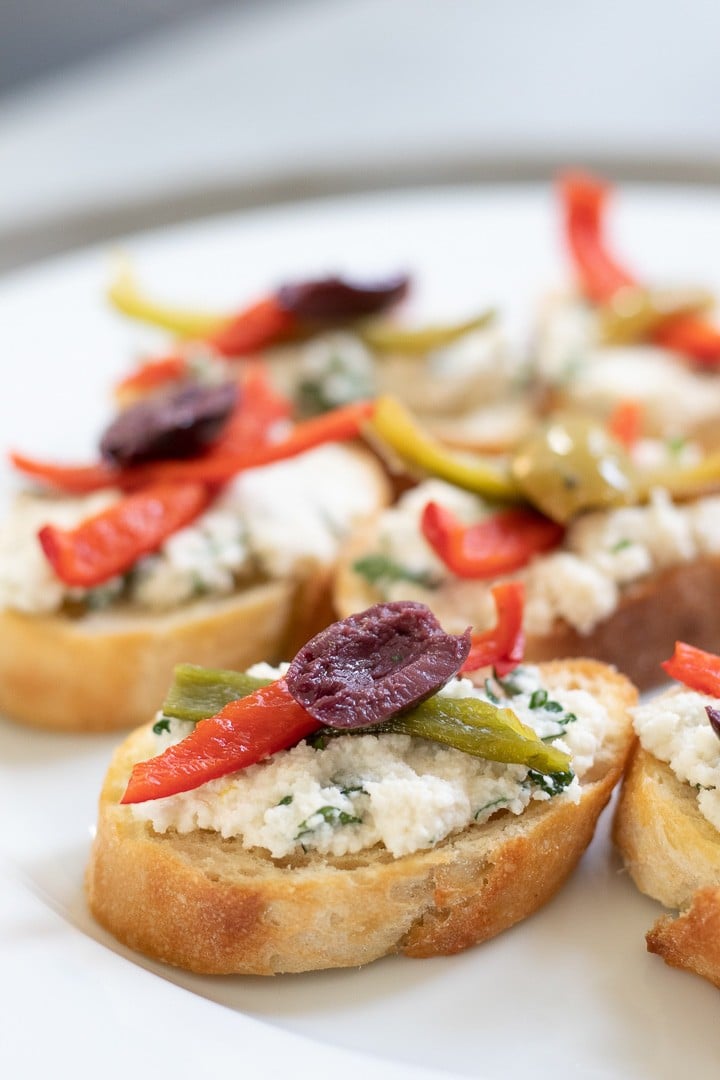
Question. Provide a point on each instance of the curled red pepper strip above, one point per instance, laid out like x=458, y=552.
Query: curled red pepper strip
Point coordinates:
x=112, y=541
x=498, y=545
x=153, y=374
x=242, y=733
x=695, y=668
x=692, y=336
x=584, y=199
x=264, y=323
x=214, y=467
x=72, y=479
x=503, y=645
x=625, y=423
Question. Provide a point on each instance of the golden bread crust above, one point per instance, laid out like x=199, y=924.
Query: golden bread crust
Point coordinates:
x=672, y=854
x=671, y=605
x=109, y=670
x=243, y=912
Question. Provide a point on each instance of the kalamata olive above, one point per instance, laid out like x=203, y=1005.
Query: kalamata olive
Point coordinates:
x=375, y=664
x=334, y=299
x=713, y=716
x=572, y=464
x=176, y=425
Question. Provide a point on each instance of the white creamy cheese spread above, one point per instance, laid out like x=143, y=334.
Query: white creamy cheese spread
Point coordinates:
x=569, y=354
x=675, y=728
x=580, y=582
x=401, y=792
x=277, y=521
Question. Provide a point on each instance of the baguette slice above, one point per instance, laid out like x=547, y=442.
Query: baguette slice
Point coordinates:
x=206, y=904
x=108, y=670
x=673, y=855
x=668, y=606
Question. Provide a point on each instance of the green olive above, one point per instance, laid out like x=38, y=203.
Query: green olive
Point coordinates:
x=572, y=464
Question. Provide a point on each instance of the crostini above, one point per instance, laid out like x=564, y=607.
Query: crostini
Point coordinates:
x=613, y=566
x=223, y=554
x=667, y=824
x=318, y=822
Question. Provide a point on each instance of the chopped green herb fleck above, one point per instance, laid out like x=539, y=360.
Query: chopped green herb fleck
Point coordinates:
x=161, y=726
x=332, y=815
x=538, y=699
x=286, y=801
x=377, y=567
x=552, y=784
x=490, y=693
x=509, y=684
x=676, y=444
x=621, y=545
x=488, y=806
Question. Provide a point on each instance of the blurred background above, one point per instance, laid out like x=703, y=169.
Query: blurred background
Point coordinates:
x=117, y=116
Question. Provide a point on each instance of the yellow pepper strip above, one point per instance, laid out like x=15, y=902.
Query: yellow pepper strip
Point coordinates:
x=385, y=336
x=685, y=481
x=634, y=314
x=396, y=429
x=125, y=296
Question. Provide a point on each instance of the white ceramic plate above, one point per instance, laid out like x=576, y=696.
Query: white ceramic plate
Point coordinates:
x=569, y=992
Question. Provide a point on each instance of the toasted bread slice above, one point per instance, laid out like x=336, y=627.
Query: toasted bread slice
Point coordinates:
x=207, y=904
x=108, y=670
x=672, y=854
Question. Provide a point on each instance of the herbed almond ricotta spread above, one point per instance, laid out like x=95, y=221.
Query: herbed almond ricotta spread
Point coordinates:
x=278, y=521
x=571, y=357
x=675, y=728
x=401, y=792
x=580, y=582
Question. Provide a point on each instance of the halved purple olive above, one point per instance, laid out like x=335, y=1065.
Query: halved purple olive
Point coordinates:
x=334, y=299
x=375, y=664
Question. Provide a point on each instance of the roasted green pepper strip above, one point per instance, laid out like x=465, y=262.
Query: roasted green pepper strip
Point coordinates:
x=199, y=692
x=386, y=336
x=395, y=428
x=634, y=314
x=474, y=726
x=125, y=296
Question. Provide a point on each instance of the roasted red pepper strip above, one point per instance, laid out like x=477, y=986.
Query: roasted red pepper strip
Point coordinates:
x=253, y=329
x=583, y=199
x=625, y=423
x=498, y=545
x=242, y=733
x=111, y=542
x=72, y=479
x=695, y=668
x=153, y=374
x=214, y=467
x=691, y=335
x=503, y=645
x=259, y=409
